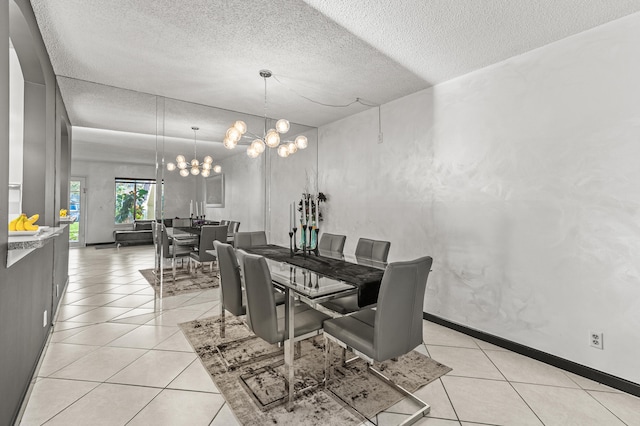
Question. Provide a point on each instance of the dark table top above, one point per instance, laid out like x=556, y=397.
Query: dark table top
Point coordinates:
x=366, y=278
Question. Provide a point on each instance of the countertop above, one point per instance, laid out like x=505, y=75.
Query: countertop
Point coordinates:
x=20, y=246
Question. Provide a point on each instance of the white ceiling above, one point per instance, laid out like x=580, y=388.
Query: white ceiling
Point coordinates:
x=209, y=53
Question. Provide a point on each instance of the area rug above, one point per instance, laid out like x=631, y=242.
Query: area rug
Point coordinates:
x=250, y=373
x=184, y=282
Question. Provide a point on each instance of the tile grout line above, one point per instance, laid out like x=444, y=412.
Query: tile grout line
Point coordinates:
x=605, y=407
x=513, y=387
x=449, y=398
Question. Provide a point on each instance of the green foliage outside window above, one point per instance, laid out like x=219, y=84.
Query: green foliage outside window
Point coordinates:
x=134, y=200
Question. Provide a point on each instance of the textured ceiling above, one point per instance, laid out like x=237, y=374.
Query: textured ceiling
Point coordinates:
x=333, y=52
x=210, y=53
x=442, y=39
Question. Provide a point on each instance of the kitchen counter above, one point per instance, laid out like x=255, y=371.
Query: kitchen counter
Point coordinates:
x=22, y=245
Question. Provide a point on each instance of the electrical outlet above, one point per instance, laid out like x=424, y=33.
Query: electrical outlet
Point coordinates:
x=45, y=319
x=595, y=339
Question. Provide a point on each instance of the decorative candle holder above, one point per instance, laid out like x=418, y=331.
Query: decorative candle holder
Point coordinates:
x=291, y=242
x=304, y=238
x=293, y=246
x=315, y=249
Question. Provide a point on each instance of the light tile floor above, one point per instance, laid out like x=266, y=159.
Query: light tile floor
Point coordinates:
x=114, y=360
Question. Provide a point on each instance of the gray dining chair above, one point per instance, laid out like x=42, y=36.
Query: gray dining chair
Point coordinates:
x=391, y=330
x=375, y=250
x=231, y=297
x=208, y=234
x=249, y=239
x=181, y=252
x=231, y=285
x=332, y=243
x=266, y=319
x=233, y=228
x=368, y=252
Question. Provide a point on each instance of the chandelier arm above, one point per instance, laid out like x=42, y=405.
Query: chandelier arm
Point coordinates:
x=250, y=135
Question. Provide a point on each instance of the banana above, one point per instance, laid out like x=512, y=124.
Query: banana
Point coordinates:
x=20, y=223
x=33, y=219
x=12, y=224
x=28, y=226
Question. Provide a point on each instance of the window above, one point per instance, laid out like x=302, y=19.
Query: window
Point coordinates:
x=135, y=200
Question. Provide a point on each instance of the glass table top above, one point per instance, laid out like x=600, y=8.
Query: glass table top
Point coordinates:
x=306, y=282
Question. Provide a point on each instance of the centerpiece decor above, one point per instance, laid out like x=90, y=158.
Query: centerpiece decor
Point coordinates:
x=309, y=214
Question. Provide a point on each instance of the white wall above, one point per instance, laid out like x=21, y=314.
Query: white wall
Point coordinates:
x=289, y=178
x=522, y=181
x=244, y=192
x=179, y=192
x=100, y=196
x=16, y=129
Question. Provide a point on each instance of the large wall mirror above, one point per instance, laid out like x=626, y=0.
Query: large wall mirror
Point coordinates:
x=253, y=191
x=113, y=157
x=121, y=133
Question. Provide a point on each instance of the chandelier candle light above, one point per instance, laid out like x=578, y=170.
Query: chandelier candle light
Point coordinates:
x=270, y=138
x=206, y=164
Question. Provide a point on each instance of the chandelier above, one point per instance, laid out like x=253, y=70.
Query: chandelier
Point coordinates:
x=270, y=137
x=194, y=165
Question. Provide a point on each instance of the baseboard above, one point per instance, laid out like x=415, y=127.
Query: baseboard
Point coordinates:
x=573, y=367
x=99, y=244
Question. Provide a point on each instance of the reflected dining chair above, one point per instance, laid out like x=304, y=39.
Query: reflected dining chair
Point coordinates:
x=233, y=227
x=172, y=251
x=208, y=234
x=391, y=330
x=368, y=252
x=268, y=321
x=332, y=243
x=249, y=239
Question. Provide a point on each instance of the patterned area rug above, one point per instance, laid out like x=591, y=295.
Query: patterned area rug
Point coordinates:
x=184, y=281
x=250, y=373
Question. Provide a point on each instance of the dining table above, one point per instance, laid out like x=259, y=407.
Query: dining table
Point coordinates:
x=314, y=280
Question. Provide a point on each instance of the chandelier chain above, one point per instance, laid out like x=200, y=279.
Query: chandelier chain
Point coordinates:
x=265, y=104
x=195, y=145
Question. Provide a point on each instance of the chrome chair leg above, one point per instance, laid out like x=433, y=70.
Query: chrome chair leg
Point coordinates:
x=415, y=416
x=327, y=361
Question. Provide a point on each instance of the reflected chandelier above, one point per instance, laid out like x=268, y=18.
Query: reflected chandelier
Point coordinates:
x=271, y=137
x=195, y=165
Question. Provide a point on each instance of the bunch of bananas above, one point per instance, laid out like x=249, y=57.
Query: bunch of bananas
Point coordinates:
x=24, y=223
x=63, y=212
